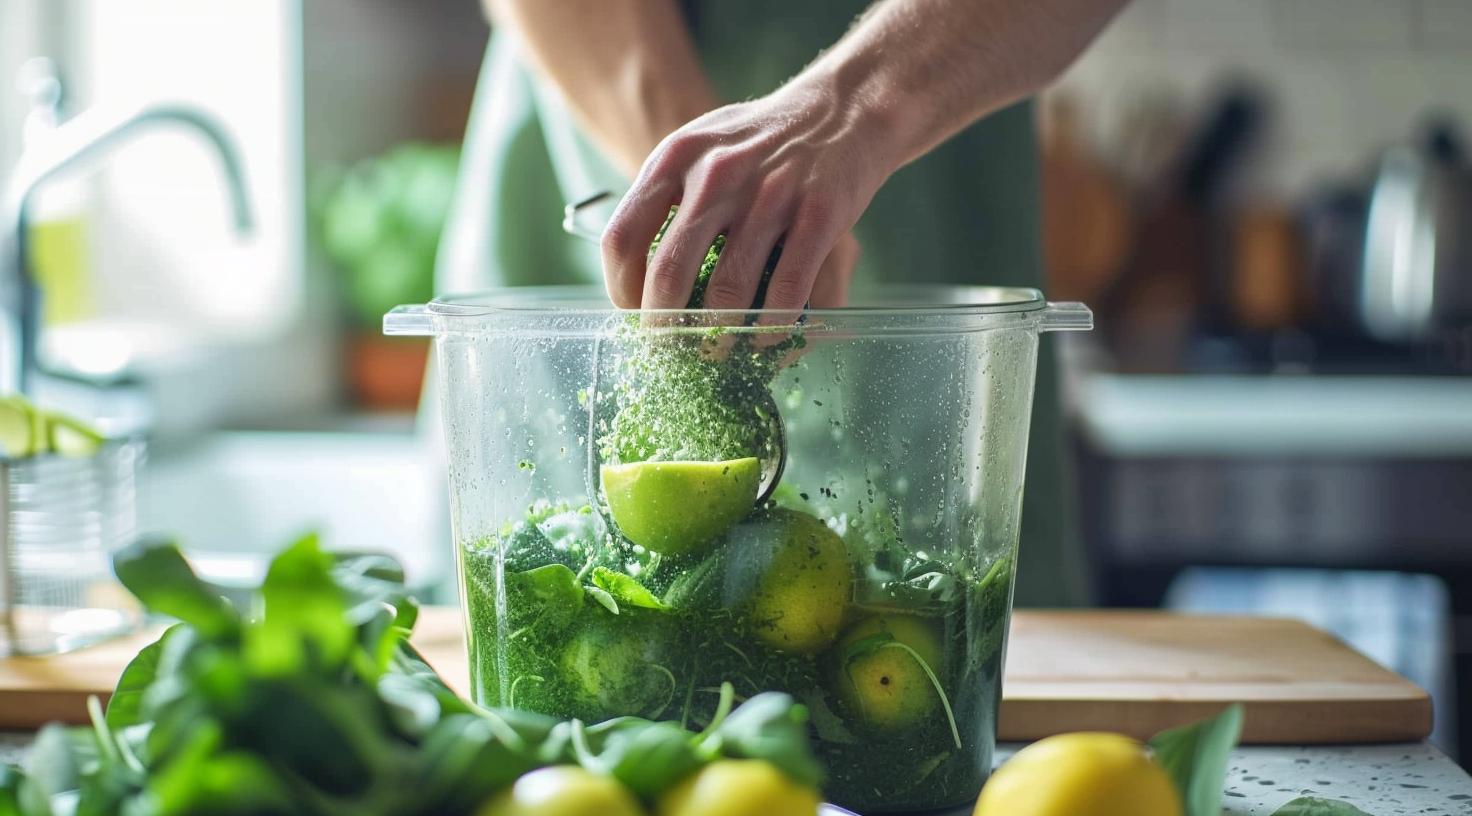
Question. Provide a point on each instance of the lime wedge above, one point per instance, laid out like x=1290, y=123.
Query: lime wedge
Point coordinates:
x=17, y=428
x=68, y=437
x=674, y=508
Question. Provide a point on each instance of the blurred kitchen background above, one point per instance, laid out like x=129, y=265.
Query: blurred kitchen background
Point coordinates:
x=1268, y=202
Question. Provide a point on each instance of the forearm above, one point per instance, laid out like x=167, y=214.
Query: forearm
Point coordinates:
x=925, y=69
x=627, y=68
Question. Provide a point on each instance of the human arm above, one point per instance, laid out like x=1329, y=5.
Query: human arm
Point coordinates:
x=800, y=165
x=627, y=68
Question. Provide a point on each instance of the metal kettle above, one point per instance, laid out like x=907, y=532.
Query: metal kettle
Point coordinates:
x=1416, y=265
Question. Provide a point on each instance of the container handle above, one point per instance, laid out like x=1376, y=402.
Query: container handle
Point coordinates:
x=408, y=321
x=1067, y=316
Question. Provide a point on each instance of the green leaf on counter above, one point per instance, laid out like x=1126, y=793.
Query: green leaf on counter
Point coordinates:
x=303, y=613
x=155, y=571
x=1196, y=758
x=648, y=757
x=1313, y=806
x=770, y=726
x=625, y=589
x=125, y=707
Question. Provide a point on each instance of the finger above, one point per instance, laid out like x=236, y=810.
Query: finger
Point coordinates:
x=626, y=239
x=672, y=271
x=749, y=246
x=737, y=277
x=830, y=290
x=807, y=244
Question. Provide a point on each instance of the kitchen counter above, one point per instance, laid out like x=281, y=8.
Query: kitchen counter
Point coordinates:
x=1382, y=780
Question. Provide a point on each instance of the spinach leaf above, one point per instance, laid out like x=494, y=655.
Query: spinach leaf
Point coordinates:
x=1196, y=758
x=304, y=614
x=1313, y=806
x=464, y=762
x=554, y=587
x=125, y=707
x=625, y=589
x=370, y=581
x=772, y=727
x=157, y=574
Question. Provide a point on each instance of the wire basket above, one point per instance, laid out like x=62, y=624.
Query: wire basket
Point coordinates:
x=63, y=519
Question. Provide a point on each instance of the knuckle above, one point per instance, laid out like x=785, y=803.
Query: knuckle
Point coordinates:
x=724, y=291
x=665, y=285
x=618, y=240
x=786, y=292
x=723, y=166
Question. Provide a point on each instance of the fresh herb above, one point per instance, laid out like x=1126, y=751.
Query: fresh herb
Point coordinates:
x=1196, y=758
x=311, y=701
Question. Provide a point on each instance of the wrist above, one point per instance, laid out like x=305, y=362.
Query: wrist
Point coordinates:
x=888, y=119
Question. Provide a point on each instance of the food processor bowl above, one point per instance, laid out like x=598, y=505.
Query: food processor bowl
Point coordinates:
x=618, y=555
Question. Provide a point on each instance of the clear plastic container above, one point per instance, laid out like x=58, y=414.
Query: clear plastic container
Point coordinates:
x=872, y=580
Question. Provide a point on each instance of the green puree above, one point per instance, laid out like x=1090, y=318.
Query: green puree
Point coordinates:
x=894, y=650
x=595, y=628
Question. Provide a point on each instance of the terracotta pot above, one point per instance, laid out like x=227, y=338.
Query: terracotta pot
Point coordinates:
x=386, y=373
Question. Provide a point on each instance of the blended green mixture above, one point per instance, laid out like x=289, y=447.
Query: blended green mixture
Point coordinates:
x=675, y=578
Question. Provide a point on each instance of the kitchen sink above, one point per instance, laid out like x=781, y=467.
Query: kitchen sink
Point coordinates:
x=233, y=498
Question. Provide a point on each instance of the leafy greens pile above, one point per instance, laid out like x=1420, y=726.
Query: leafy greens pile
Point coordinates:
x=312, y=701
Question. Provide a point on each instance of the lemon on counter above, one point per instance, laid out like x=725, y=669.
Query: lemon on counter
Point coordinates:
x=675, y=508
x=1084, y=774
x=738, y=787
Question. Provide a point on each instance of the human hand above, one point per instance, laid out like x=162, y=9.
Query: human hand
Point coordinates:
x=798, y=167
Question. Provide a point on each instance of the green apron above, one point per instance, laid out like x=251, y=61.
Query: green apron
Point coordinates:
x=965, y=213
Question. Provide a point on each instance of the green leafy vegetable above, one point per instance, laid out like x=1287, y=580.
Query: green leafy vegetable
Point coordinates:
x=156, y=572
x=1196, y=758
x=312, y=702
x=625, y=589
x=1311, y=806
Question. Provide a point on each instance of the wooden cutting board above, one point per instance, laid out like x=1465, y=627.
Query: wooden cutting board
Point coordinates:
x=1131, y=672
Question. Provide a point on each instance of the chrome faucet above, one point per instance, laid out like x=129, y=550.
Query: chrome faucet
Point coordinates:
x=82, y=139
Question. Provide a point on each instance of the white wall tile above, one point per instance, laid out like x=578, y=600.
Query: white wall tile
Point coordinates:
x=1446, y=24
x=1343, y=24
x=1347, y=76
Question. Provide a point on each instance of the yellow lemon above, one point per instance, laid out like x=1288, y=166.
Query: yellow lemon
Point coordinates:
x=797, y=576
x=887, y=687
x=563, y=790
x=1086, y=774
x=738, y=787
x=674, y=508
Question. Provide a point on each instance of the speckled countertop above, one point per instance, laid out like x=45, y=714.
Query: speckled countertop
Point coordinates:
x=1381, y=780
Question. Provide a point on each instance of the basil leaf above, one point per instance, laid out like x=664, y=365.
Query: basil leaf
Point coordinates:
x=625, y=589
x=1313, y=806
x=1196, y=758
